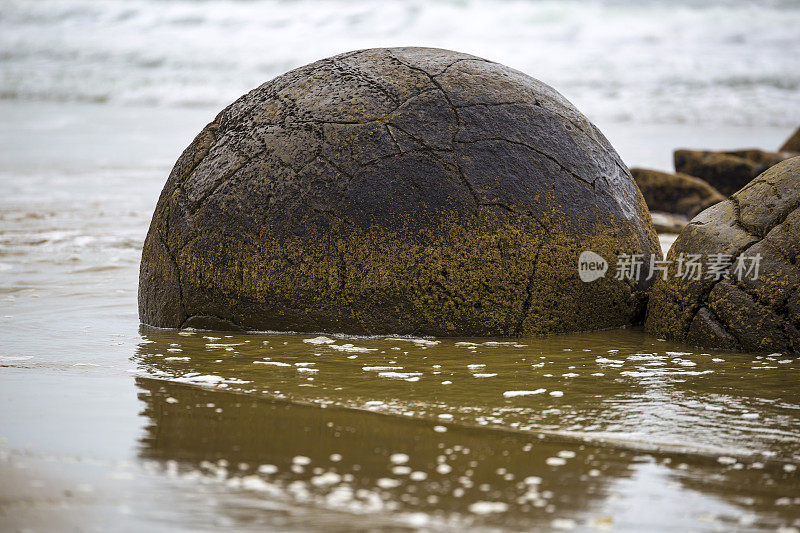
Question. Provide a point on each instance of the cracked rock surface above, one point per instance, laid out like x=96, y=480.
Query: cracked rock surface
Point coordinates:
x=761, y=314
x=404, y=190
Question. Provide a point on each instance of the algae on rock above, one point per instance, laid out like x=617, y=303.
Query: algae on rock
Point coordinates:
x=757, y=311
x=404, y=190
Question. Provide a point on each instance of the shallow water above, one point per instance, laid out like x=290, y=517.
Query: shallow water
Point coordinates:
x=104, y=424
x=498, y=432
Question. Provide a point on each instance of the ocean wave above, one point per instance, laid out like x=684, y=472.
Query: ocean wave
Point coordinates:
x=662, y=62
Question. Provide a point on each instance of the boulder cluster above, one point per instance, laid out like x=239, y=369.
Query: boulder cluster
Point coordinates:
x=731, y=279
x=428, y=192
x=703, y=178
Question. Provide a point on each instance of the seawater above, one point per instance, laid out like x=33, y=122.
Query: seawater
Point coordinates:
x=105, y=424
x=733, y=62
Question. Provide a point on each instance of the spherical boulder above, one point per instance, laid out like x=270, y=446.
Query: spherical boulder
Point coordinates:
x=751, y=300
x=404, y=190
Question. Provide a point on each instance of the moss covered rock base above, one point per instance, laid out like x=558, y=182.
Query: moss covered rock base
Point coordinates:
x=405, y=190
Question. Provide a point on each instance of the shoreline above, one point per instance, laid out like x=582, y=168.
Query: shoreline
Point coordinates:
x=75, y=216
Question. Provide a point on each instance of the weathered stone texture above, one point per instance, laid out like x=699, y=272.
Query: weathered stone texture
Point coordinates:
x=406, y=190
x=748, y=314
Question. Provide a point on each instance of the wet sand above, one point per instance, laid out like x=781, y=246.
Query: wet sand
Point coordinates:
x=104, y=424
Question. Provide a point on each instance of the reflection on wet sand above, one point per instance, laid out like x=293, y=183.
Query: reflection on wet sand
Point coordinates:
x=642, y=392
x=290, y=418
x=365, y=462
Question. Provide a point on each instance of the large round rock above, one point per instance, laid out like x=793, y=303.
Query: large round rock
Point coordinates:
x=752, y=304
x=406, y=190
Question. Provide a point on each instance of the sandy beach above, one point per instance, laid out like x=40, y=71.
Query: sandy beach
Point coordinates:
x=106, y=425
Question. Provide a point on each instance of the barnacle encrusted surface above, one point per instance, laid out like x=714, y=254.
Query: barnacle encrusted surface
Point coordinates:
x=403, y=190
x=746, y=309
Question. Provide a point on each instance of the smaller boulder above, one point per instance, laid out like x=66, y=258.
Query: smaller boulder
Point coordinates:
x=792, y=144
x=761, y=157
x=727, y=171
x=733, y=280
x=679, y=194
